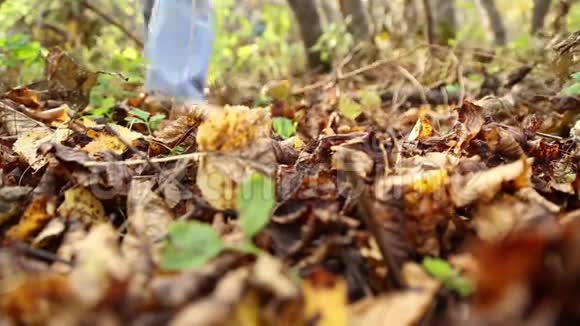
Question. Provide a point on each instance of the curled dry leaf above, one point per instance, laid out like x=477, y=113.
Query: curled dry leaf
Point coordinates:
x=407, y=307
x=469, y=123
x=486, y=184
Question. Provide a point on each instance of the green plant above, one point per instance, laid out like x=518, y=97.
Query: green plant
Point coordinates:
x=574, y=87
x=441, y=270
x=20, y=59
x=284, y=127
x=334, y=43
x=145, y=118
x=192, y=244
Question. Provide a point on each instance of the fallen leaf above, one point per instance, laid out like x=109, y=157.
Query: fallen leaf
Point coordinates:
x=28, y=144
x=34, y=218
x=233, y=128
x=80, y=203
x=325, y=297
x=486, y=184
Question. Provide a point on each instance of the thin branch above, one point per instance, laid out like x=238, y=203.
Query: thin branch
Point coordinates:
x=113, y=22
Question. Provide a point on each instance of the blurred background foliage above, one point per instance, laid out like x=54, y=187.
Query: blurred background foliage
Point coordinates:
x=257, y=40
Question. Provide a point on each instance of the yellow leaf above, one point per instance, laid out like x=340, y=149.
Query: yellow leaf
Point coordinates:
x=423, y=129
x=326, y=303
x=232, y=128
x=82, y=204
x=278, y=90
x=430, y=181
x=105, y=142
x=33, y=220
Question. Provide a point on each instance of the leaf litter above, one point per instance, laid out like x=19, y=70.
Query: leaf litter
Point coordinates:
x=348, y=204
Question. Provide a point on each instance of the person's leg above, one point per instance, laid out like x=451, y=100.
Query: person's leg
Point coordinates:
x=179, y=47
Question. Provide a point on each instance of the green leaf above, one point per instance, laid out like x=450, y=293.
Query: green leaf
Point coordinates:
x=155, y=120
x=438, y=268
x=460, y=284
x=284, y=127
x=143, y=115
x=441, y=270
x=349, y=107
x=256, y=199
x=190, y=245
x=133, y=120
x=573, y=89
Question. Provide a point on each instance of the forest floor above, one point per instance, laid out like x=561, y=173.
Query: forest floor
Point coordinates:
x=432, y=188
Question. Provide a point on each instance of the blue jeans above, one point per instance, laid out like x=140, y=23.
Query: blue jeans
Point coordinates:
x=178, y=49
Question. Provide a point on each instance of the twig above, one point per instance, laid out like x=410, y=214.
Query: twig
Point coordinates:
x=113, y=22
x=348, y=75
x=190, y=156
x=415, y=82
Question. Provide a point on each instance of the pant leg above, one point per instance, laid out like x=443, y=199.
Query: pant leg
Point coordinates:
x=179, y=47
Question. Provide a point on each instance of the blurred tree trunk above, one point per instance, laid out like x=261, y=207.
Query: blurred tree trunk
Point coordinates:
x=541, y=8
x=359, y=25
x=444, y=20
x=494, y=21
x=562, y=11
x=411, y=14
x=429, y=22
x=330, y=11
x=310, y=25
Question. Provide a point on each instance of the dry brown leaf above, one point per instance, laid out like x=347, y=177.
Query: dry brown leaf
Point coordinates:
x=218, y=177
x=495, y=220
x=98, y=265
x=80, y=203
x=486, y=184
x=469, y=124
x=216, y=307
x=399, y=308
x=148, y=214
x=28, y=144
x=346, y=159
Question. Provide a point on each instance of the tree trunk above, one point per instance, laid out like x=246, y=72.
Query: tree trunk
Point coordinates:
x=330, y=11
x=444, y=20
x=541, y=8
x=494, y=21
x=429, y=22
x=310, y=28
x=359, y=25
x=562, y=11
